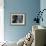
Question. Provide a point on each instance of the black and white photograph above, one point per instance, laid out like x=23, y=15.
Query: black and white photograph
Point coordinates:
x=17, y=19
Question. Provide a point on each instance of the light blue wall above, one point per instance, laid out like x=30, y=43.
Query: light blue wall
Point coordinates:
x=43, y=6
x=29, y=8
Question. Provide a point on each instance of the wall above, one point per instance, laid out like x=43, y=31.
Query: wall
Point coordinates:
x=43, y=6
x=1, y=21
x=29, y=8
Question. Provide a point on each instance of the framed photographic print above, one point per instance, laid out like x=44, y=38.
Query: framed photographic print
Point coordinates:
x=17, y=19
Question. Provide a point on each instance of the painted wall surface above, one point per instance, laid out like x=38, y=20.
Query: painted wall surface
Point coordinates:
x=1, y=21
x=43, y=6
x=29, y=8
